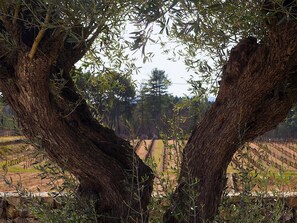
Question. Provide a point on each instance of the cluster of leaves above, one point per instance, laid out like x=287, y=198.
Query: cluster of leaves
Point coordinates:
x=286, y=129
x=66, y=205
x=250, y=204
x=255, y=201
x=77, y=24
x=109, y=95
x=7, y=117
x=113, y=100
x=154, y=100
x=206, y=31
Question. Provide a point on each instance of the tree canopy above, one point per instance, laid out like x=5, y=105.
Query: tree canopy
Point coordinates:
x=207, y=30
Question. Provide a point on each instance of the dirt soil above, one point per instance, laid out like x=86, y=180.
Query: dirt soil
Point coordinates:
x=28, y=181
x=33, y=182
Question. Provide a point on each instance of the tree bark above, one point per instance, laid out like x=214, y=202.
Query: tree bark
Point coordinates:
x=258, y=88
x=58, y=121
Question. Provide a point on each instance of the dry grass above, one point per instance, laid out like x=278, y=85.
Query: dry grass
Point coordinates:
x=11, y=138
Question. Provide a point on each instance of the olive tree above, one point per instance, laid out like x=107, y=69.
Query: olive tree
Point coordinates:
x=40, y=41
x=251, y=57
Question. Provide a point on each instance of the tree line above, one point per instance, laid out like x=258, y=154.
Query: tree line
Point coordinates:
x=145, y=112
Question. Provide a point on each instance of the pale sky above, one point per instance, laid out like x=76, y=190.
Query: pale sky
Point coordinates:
x=176, y=72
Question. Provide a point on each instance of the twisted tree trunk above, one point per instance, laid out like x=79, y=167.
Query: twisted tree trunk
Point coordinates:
x=258, y=88
x=58, y=120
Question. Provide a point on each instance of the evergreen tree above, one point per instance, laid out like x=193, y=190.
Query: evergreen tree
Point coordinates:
x=110, y=96
x=155, y=102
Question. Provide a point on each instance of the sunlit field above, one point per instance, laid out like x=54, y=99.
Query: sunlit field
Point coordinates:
x=274, y=160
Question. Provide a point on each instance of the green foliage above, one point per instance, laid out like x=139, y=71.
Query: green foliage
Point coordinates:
x=192, y=109
x=71, y=209
x=110, y=96
x=68, y=15
x=255, y=202
x=158, y=83
x=156, y=95
x=249, y=204
x=69, y=206
x=8, y=120
x=205, y=31
x=287, y=129
x=154, y=103
x=252, y=209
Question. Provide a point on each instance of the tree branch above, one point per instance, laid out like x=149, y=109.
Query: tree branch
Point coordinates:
x=71, y=55
x=16, y=13
x=39, y=35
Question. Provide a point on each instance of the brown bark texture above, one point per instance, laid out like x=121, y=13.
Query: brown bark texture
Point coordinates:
x=58, y=121
x=258, y=88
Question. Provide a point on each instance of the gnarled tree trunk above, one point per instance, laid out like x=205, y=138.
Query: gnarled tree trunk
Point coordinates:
x=258, y=88
x=37, y=53
x=58, y=120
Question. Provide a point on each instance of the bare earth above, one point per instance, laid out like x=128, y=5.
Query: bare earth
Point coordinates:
x=31, y=181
